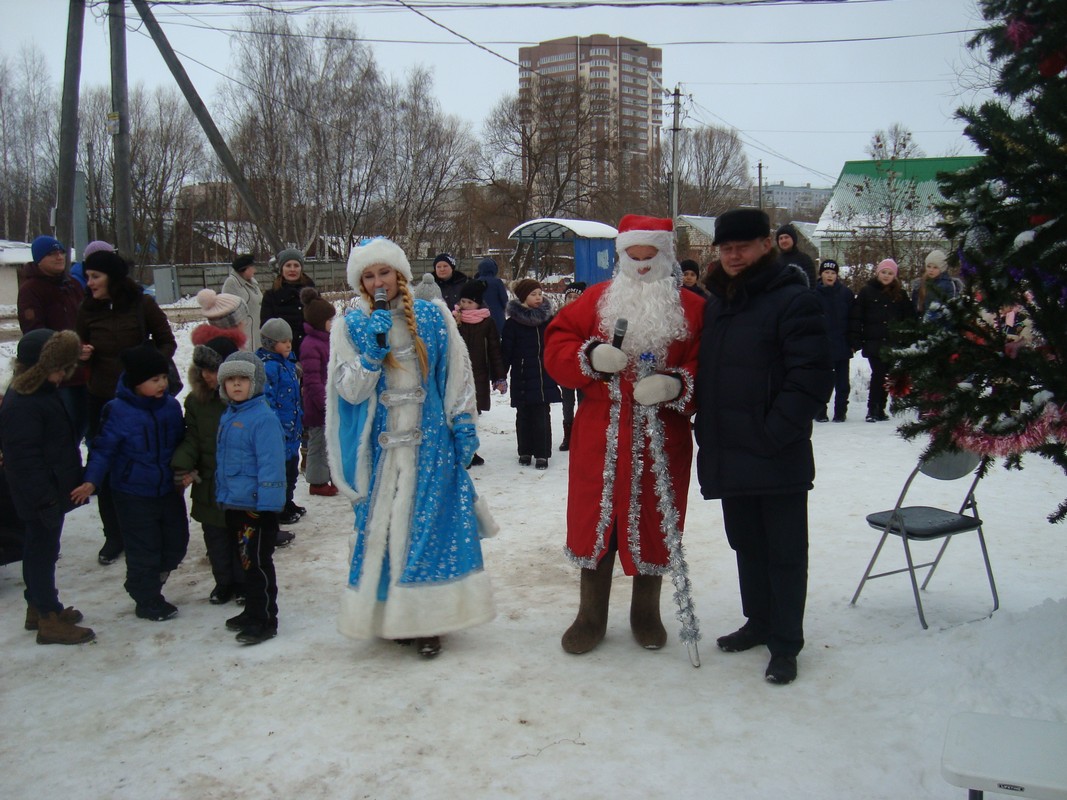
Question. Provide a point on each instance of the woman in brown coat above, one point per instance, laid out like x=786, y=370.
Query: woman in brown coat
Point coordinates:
x=479, y=333
x=115, y=316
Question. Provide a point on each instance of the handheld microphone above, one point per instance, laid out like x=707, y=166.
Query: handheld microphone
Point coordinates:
x=381, y=303
x=620, y=333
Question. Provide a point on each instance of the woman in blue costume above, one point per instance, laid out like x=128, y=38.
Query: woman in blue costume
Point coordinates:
x=400, y=414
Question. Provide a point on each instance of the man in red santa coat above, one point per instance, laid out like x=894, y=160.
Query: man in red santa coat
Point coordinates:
x=631, y=446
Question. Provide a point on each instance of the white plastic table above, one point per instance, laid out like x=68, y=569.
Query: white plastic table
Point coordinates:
x=1006, y=755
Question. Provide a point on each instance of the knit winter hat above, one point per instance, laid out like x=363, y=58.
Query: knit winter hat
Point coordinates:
x=741, y=225
x=243, y=262
x=109, y=263
x=887, y=263
x=44, y=245
x=937, y=258
x=523, y=288
x=213, y=352
x=427, y=289
x=448, y=258
x=141, y=363
x=243, y=364
x=224, y=310
x=40, y=353
x=689, y=265
x=97, y=246
x=829, y=264
x=289, y=254
x=317, y=311
x=376, y=251
x=274, y=331
x=789, y=231
x=473, y=290
x=575, y=288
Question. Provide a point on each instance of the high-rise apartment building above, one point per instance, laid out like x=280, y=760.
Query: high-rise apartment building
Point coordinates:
x=619, y=82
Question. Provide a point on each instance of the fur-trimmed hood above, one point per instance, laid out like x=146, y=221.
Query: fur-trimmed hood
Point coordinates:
x=60, y=352
x=532, y=317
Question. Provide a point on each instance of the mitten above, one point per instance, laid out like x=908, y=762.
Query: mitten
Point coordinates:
x=607, y=358
x=657, y=389
x=381, y=321
x=466, y=439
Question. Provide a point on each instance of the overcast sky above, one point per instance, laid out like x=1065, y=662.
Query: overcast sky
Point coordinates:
x=802, y=102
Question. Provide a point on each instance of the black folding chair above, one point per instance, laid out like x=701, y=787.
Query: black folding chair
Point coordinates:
x=926, y=523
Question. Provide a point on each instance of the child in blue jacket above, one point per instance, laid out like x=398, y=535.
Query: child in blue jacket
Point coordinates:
x=282, y=391
x=139, y=431
x=250, y=487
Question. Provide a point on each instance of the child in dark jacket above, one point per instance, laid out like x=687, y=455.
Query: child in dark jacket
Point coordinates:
x=43, y=464
x=194, y=461
x=532, y=388
x=139, y=432
x=314, y=358
x=250, y=487
x=282, y=390
x=479, y=333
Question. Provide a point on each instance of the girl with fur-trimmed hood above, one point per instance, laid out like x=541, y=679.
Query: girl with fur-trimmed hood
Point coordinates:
x=43, y=465
x=400, y=426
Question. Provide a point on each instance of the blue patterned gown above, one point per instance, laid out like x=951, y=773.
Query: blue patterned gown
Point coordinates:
x=416, y=562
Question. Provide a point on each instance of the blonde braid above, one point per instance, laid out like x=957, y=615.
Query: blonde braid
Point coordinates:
x=409, y=315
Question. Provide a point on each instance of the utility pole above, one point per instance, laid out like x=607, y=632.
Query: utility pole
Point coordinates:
x=68, y=124
x=674, y=151
x=259, y=216
x=119, y=120
x=759, y=174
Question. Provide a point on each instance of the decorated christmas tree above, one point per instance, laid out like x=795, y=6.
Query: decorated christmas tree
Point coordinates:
x=987, y=373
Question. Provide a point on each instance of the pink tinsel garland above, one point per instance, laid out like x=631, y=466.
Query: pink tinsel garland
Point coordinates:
x=1051, y=424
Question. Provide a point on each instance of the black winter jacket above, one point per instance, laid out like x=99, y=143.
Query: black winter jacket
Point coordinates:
x=41, y=456
x=523, y=349
x=282, y=301
x=764, y=372
x=451, y=288
x=874, y=314
x=837, y=305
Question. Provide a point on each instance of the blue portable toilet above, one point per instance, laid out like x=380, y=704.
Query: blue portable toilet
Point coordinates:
x=594, y=244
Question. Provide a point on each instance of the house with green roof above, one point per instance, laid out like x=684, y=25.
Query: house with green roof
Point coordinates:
x=886, y=209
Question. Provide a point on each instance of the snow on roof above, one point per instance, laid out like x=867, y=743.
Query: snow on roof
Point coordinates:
x=562, y=230
x=18, y=253
x=705, y=225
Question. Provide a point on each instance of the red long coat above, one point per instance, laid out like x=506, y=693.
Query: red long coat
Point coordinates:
x=565, y=344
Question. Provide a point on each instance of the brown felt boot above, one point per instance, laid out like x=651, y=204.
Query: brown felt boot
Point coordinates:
x=565, y=445
x=589, y=627
x=51, y=629
x=68, y=614
x=644, y=612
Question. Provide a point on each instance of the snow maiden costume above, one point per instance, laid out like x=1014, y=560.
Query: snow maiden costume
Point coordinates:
x=398, y=445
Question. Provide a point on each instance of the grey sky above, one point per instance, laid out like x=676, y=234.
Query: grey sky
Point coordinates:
x=813, y=103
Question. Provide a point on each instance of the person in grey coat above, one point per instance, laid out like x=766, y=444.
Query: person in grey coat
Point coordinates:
x=242, y=282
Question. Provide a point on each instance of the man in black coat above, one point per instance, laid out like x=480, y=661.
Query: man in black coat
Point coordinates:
x=836, y=299
x=764, y=372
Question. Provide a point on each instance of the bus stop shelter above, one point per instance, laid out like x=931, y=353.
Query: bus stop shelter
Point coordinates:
x=594, y=244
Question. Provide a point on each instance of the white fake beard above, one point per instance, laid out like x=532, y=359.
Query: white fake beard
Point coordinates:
x=652, y=310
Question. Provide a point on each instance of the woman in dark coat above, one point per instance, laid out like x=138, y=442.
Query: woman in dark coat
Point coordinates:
x=282, y=299
x=449, y=279
x=880, y=305
x=115, y=316
x=532, y=388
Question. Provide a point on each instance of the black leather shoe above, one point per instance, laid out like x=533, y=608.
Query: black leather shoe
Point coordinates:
x=744, y=638
x=524, y=461
x=781, y=669
x=257, y=633
x=220, y=595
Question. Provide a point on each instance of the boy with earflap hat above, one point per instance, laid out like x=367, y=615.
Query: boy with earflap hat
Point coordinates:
x=43, y=465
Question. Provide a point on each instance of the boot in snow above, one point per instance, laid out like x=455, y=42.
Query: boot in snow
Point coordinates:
x=645, y=621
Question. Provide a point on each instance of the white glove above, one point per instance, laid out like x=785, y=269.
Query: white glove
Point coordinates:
x=656, y=389
x=607, y=358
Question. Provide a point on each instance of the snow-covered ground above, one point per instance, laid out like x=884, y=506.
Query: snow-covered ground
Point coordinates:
x=179, y=710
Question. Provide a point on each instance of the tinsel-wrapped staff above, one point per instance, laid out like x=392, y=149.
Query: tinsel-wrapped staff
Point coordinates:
x=631, y=445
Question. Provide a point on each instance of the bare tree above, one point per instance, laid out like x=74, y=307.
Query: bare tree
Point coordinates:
x=713, y=170
x=898, y=142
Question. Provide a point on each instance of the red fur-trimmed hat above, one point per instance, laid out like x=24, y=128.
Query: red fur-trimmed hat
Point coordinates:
x=635, y=229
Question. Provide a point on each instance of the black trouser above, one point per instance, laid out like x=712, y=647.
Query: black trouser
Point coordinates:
x=40, y=550
x=769, y=535
x=841, y=388
x=222, y=553
x=876, y=398
x=533, y=428
x=155, y=531
x=256, y=533
x=105, y=500
x=292, y=471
